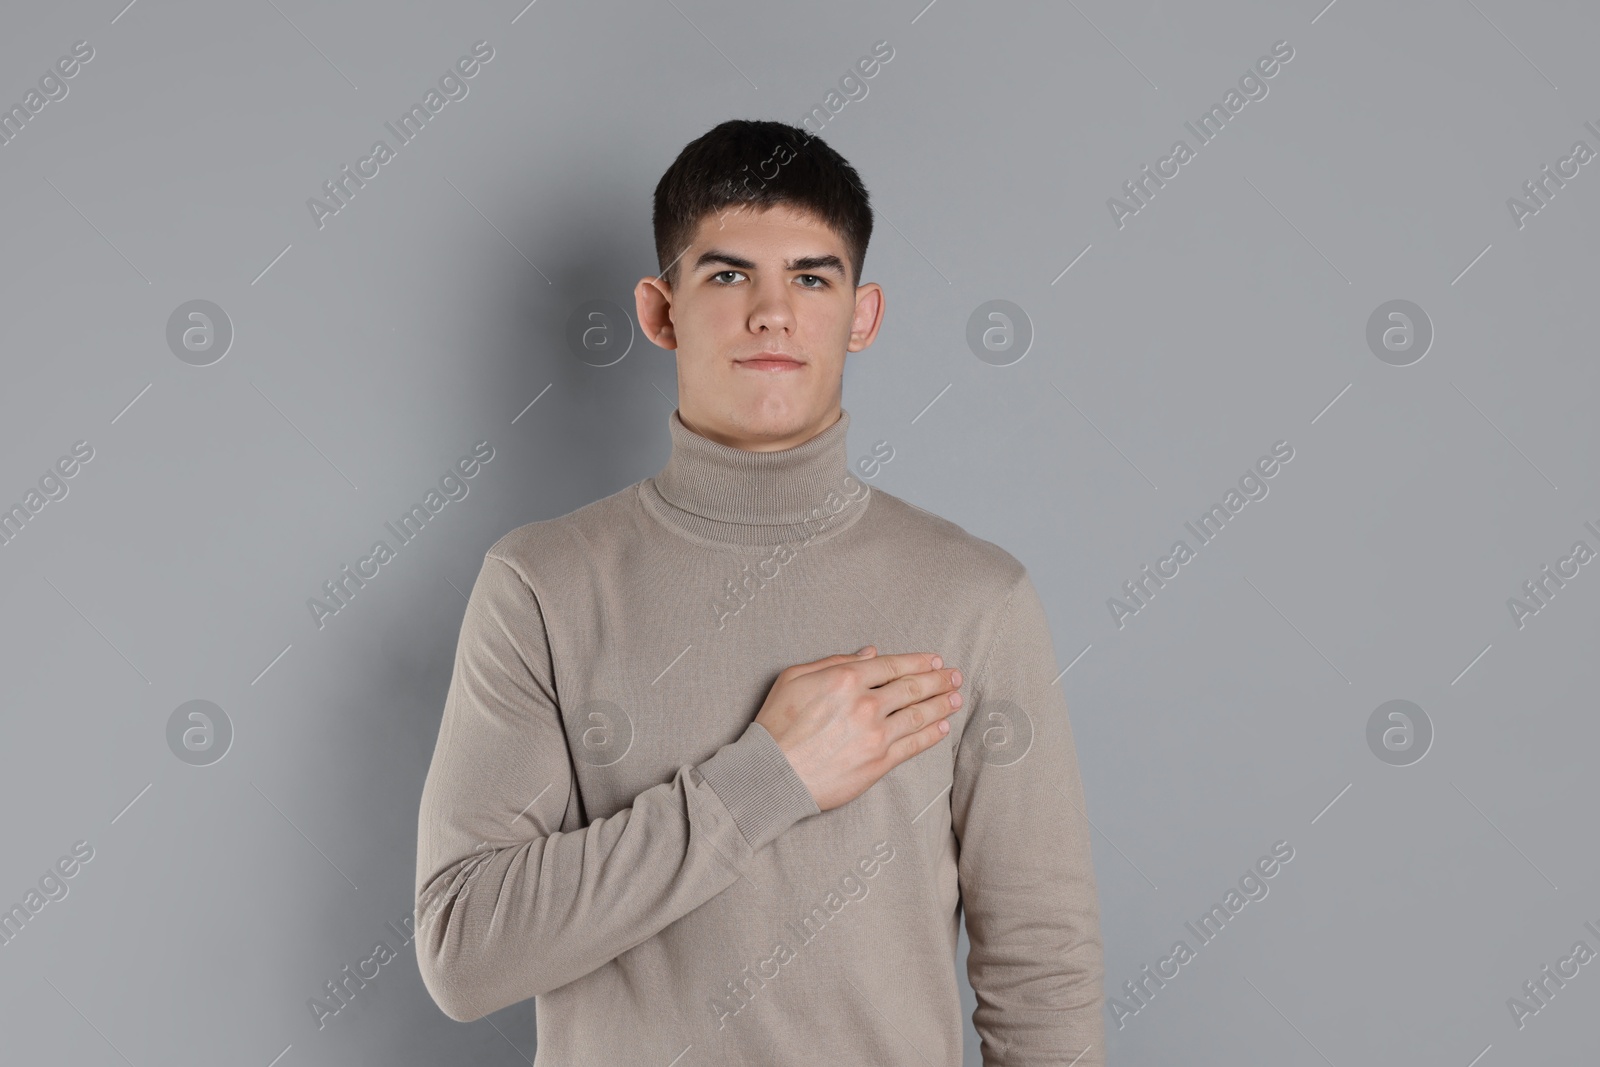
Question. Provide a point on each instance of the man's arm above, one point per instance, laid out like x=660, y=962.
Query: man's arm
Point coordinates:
x=508, y=906
x=1027, y=881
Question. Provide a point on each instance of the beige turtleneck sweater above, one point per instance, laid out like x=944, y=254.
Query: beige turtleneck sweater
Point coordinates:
x=604, y=827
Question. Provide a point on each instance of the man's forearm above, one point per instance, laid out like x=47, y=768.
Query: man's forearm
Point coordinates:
x=510, y=907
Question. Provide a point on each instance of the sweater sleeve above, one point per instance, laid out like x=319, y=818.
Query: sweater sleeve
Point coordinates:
x=508, y=904
x=1027, y=881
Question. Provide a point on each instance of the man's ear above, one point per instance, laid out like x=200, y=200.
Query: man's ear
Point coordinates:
x=652, y=300
x=868, y=316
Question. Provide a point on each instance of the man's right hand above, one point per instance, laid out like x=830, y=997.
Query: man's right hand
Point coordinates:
x=847, y=720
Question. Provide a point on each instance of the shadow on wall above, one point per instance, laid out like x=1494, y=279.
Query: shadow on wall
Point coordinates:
x=570, y=421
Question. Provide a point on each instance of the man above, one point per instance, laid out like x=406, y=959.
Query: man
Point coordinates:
x=667, y=800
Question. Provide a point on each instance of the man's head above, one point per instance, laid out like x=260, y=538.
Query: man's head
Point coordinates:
x=761, y=233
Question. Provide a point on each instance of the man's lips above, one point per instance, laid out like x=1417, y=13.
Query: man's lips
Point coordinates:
x=773, y=361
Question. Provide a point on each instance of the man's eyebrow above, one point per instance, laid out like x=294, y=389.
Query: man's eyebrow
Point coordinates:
x=806, y=263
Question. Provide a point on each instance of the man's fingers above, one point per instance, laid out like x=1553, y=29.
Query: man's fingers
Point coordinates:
x=882, y=669
x=830, y=661
x=920, y=739
x=920, y=691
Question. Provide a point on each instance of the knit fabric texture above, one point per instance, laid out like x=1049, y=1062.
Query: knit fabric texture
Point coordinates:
x=604, y=827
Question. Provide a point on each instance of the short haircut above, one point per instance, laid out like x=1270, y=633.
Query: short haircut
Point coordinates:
x=759, y=164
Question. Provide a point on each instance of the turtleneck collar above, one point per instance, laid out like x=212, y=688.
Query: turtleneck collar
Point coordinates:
x=730, y=496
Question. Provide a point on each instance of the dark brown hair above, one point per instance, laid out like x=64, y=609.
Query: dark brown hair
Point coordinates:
x=760, y=164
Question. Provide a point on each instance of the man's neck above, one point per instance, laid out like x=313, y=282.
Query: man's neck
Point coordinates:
x=734, y=496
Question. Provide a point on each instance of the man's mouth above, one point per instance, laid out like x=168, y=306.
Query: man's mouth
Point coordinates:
x=771, y=361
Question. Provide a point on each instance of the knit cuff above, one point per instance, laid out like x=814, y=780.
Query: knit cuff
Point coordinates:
x=758, y=785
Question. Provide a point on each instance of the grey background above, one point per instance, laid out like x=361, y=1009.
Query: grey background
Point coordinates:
x=1228, y=314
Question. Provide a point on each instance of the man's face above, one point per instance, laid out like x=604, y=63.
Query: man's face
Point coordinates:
x=775, y=281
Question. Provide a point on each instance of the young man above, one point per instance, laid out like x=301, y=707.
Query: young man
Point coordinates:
x=668, y=801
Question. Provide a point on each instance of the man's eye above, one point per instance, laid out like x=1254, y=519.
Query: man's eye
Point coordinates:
x=821, y=282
